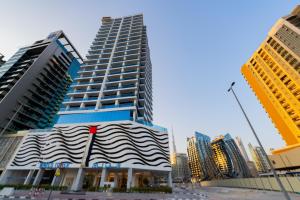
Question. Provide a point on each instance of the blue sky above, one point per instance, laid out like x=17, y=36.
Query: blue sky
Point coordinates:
x=197, y=49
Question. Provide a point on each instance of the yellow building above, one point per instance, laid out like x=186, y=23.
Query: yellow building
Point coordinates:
x=273, y=72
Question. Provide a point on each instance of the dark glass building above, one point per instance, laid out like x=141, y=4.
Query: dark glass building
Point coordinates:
x=1, y=60
x=34, y=81
x=238, y=161
x=228, y=157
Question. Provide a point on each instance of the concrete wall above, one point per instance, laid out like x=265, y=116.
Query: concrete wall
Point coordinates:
x=287, y=159
x=291, y=184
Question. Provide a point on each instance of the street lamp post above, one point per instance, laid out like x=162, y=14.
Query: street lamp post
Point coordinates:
x=259, y=143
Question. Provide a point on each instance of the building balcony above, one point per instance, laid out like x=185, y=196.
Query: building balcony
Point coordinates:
x=117, y=106
x=118, y=96
x=67, y=100
x=84, y=91
x=77, y=108
x=92, y=70
x=89, y=77
x=121, y=80
x=86, y=84
x=120, y=88
x=124, y=73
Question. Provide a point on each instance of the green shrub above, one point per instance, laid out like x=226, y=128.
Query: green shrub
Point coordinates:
x=49, y=187
x=17, y=186
x=163, y=189
x=119, y=190
x=28, y=187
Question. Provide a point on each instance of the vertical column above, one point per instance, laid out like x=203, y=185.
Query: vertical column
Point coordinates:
x=129, y=178
x=38, y=177
x=133, y=180
x=29, y=177
x=152, y=180
x=4, y=176
x=103, y=177
x=170, y=179
x=98, y=104
x=116, y=180
x=57, y=179
x=77, y=184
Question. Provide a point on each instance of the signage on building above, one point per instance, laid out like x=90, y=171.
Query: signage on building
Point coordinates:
x=51, y=165
x=106, y=165
x=57, y=172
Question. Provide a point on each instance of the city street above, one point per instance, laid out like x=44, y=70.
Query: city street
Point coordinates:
x=211, y=193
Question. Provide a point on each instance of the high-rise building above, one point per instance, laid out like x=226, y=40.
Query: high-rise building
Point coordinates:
x=228, y=157
x=273, y=72
x=1, y=59
x=34, y=81
x=117, y=75
x=241, y=147
x=179, y=163
x=252, y=168
x=200, y=157
x=104, y=135
x=239, y=163
x=222, y=158
x=259, y=159
x=181, y=170
x=173, y=154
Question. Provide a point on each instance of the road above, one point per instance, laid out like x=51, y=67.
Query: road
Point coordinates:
x=180, y=193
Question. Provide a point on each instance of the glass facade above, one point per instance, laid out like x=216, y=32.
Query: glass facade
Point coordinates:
x=34, y=81
x=200, y=156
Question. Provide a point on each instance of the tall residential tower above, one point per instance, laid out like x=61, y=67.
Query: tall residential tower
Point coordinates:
x=34, y=81
x=241, y=147
x=260, y=161
x=104, y=135
x=200, y=157
x=116, y=77
x=2, y=61
x=228, y=157
x=273, y=72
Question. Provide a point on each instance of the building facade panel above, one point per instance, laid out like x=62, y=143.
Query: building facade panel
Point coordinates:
x=128, y=144
x=117, y=73
x=104, y=133
x=34, y=81
x=201, y=158
x=273, y=74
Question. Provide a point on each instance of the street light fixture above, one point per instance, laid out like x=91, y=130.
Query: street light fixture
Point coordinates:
x=259, y=143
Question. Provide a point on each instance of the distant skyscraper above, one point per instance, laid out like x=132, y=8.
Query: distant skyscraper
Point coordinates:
x=179, y=163
x=228, y=157
x=259, y=159
x=173, y=154
x=181, y=170
x=222, y=158
x=237, y=159
x=34, y=81
x=241, y=147
x=252, y=168
x=273, y=73
x=200, y=157
x=1, y=60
